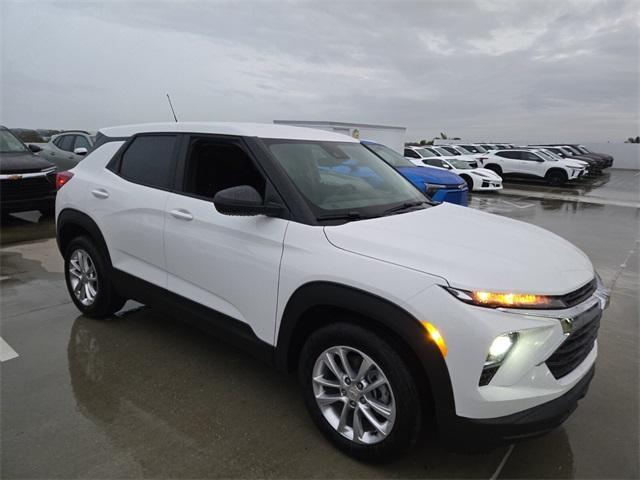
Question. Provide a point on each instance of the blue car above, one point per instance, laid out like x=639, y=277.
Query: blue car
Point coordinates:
x=440, y=185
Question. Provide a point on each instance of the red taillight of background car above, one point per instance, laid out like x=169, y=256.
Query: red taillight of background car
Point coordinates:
x=62, y=178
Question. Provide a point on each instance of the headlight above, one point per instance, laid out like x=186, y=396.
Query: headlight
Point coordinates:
x=433, y=186
x=506, y=299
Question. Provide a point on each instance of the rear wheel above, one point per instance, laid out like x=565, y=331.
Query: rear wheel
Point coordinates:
x=555, y=178
x=494, y=168
x=87, y=271
x=360, y=392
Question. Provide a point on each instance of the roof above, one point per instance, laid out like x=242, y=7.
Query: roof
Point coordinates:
x=262, y=130
x=336, y=124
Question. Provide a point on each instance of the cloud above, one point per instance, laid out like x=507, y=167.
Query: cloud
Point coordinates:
x=486, y=69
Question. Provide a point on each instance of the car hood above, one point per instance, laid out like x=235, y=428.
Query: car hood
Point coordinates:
x=26, y=162
x=574, y=163
x=431, y=175
x=469, y=249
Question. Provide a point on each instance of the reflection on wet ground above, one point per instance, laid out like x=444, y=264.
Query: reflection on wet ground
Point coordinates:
x=144, y=395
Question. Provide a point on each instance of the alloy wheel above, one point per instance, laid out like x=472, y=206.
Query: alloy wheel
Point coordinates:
x=83, y=277
x=354, y=395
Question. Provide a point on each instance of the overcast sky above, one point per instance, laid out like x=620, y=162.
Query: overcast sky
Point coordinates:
x=502, y=70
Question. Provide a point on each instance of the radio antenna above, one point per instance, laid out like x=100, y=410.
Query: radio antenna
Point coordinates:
x=172, y=110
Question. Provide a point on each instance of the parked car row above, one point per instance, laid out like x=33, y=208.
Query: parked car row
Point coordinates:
x=554, y=164
x=306, y=249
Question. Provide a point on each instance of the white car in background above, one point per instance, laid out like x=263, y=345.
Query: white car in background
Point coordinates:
x=478, y=179
x=533, y=163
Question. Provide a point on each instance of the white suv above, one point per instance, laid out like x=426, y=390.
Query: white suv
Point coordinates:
x=533, y=163
x=378, y=298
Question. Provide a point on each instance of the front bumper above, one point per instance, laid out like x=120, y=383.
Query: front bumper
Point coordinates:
x=533, y=374
x=463, y=433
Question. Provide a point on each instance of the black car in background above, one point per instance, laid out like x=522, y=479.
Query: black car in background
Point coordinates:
x=608, y=159
x=26, y=180
x=595, y=165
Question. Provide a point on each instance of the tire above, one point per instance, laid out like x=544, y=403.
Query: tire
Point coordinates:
x=469, y=181
x=94, y=273
x=495, y=168
x=399, y=392
x=556, y=178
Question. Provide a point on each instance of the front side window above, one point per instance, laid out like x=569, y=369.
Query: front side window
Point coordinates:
x=533, y=157
x=215, y=164
x=66, y=143
x=149, y=160
x=9, y=143
x=442, y=151
x=81, y=142
x=342, y=178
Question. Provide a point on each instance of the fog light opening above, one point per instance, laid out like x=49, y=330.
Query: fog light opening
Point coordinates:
x=500, y=348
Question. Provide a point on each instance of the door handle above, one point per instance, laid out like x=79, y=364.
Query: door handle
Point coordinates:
x=181, y=214
x=100, y=193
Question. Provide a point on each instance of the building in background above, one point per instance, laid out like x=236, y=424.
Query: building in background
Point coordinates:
x=393, y=137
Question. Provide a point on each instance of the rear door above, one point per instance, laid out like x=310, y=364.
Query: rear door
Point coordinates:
x=128, y=203
x=227, y=263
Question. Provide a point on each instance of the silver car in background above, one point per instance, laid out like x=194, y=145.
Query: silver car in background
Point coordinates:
x=66, y=149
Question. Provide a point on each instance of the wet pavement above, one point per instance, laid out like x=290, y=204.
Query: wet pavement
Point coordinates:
x=144, y=395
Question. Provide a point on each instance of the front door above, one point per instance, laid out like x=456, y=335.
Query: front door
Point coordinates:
x=227, y=263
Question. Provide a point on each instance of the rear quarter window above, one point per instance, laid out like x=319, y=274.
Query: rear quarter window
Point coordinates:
x=149, y=160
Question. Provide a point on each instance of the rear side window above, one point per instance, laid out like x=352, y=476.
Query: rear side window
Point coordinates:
x=149, y=160
x=513, y=155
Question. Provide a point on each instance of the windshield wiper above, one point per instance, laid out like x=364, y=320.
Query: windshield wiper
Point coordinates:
x=406, y=206
x=352, y=215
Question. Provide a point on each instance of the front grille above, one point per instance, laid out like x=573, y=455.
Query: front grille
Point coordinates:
x=26, y=188
x=580, y=295
x=577, y=346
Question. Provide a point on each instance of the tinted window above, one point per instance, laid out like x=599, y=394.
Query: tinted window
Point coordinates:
x=530, y=156
x=214, y=165
x=410, y=153
x=512, y=155
x=434, y=162
x=451, y=150
x=390, y=156
x=82, y=142
x=66, y=143
x=149, y=160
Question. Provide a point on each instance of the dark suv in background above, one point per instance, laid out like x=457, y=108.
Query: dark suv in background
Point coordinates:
x=26, y=181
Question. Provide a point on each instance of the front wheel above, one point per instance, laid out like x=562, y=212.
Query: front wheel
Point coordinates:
x=86, y=271
x=469, y=181
x=360, y=392
x=556, y=178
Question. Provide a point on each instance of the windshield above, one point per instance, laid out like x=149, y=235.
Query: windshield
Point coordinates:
x=480, y=149
x=447, y=151
x=342, y=178
x=425, y=153
x=583, y=149
x=390, y=156
x=469, y=148
x=9, y=143
x=463, y=150
x=546, y=155
x=460, y=164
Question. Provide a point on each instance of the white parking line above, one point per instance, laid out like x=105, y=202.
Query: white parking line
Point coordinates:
x=496, y=474
x=6, y=352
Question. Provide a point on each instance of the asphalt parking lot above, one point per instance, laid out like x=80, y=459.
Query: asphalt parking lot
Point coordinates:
x=144, y=395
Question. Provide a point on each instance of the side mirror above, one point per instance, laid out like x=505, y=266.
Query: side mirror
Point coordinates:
x=244, y=201
x=80, y=151
x=34, y=148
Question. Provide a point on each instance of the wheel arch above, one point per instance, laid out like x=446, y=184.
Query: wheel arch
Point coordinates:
x=72, y=223
x=556, y=170
x=320, y=303
x=493, y=167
